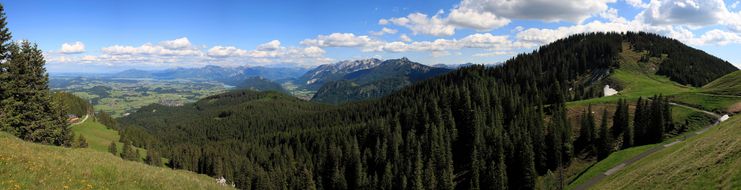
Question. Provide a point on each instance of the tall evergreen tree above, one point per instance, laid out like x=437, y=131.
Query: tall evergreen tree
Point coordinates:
x=27, y=110
x=605, y=138
x=657, y=121
x=81, y=142
x=5, y=44
x=112, y=148
x=628, y=133
x=587, y=133
x=639, y=126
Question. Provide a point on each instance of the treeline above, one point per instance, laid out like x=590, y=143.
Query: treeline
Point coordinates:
x=652, y=121
x=684, y=64
x=26, y=107
x=71, y=104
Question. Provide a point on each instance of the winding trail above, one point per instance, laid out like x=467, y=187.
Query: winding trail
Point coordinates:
x=596, y=179
x=83, y=120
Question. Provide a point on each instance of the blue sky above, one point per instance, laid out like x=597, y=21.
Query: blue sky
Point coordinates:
x=107, y=36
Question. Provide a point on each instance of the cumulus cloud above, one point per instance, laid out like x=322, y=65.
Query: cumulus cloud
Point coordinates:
x=718, y=37
x=420, y=23
x=441, y=47
x=384, y=31
x=493, y=54
x=637, y=3
x=72, y=48
x=180, y=43
x=269, y=46
x=181, y=53
x=226, y=51
x=544, y=10
x=479, y=20
x=405, y=38
x=486, y=15
x=689, y=12
x=176, y=47
x=343, y=40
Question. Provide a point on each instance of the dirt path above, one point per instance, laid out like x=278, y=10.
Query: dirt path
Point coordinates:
x=83, y=120
x=596, y=179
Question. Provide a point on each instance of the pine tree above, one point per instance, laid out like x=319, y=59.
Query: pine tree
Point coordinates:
x=639, y=127
x=628, y=132
x=619, y=124
x=81, y=142
x=112, y=148
x=587, y=134
x=605, y=138
x=27, y=109
x=657, y=122
x=669, y=121
x=153, y=158
x=5, y=44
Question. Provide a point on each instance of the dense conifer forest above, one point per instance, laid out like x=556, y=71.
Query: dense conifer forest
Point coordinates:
x=27, y=109
x=473, y=128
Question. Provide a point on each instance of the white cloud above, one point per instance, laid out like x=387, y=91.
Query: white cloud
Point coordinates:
x=493, y=54
x=686, y=12
x=486, y=15
x=73, y=48
x=637, y=3
x=718, y=37
x=226, y=51
x=405, y=38
x=384, y=31
x=176, y=47
x=340, y=40
x=733, y=20
x=269, y=46
x=438, y=47
x=181, y=53
x=482, y=21
x=420, y=23
x=180, y=43
x=734, y=5
x=544, y=10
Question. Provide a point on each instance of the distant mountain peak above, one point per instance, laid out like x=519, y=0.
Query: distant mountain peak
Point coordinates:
x=329, y=72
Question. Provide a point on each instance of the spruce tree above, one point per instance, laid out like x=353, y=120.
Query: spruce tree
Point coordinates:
x=112, y=148
x=657, y=122
x=628, y=133
x=5, y=43
x=153, y=158
x=28, y=111
x=639, y=128
x=81, y=142
x=605, y=138
x=587, y=134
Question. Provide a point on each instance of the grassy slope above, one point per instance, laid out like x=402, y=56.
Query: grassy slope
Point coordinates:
x=25, y=165
x=710, y=102
x=637, y=80
x=729, y=84
x=708, y=161
x=608, y=163
x=99, y=137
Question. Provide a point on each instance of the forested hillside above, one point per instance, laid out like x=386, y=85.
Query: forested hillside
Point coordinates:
x=71, y=104
x=381, y=80
x=477, y=127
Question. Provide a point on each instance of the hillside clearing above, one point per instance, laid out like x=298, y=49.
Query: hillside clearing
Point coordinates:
x=25, y=165
x=709, y=160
